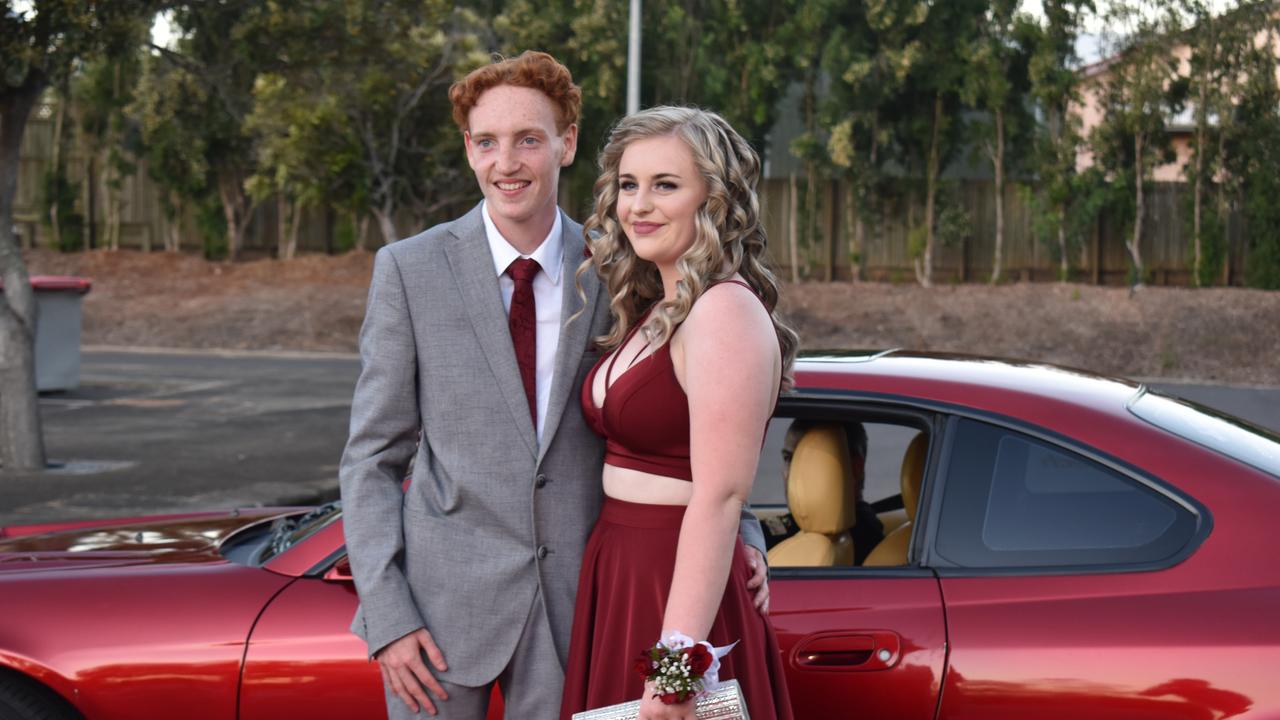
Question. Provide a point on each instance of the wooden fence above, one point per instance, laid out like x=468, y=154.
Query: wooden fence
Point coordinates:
x=1101, y=259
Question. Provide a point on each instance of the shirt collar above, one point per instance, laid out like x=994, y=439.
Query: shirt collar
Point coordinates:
x=549, y=254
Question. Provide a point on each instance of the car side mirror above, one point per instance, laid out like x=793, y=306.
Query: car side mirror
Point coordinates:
x=340, y=572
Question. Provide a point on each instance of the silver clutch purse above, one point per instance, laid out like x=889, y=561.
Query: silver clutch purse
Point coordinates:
x=725, y=703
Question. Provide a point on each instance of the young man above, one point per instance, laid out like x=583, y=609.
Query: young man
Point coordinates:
x=472, y=370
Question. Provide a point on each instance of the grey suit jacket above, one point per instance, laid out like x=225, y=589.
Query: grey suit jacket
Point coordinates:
x=491, y=516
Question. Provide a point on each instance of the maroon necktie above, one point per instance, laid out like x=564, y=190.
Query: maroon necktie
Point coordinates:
x=523, y=322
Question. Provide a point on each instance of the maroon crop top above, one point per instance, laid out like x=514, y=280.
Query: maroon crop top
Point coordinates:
x=644, y=419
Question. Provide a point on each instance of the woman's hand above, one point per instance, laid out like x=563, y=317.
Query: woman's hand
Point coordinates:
x=652, y=708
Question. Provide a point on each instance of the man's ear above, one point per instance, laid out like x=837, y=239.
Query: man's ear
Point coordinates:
x=466, y=144
x=570, y=140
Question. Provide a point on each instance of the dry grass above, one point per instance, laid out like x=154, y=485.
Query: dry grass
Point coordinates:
x=317, y=302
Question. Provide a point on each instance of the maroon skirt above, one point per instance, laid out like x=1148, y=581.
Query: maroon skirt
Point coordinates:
x=622, y=595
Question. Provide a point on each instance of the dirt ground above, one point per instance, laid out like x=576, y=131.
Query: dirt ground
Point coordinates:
x=316, y=302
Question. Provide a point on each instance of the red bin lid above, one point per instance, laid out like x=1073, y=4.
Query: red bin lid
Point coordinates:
x=61, y=282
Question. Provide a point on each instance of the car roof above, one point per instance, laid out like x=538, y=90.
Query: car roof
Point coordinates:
x=996, y=384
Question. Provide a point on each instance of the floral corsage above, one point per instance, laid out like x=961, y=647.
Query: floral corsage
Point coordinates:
x=680, y=668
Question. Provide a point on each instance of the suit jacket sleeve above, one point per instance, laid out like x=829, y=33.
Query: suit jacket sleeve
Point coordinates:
x=750, y=531
x=385, y=423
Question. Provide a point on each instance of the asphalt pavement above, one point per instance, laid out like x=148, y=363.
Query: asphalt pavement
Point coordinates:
x=159, y=431
x=152, y=431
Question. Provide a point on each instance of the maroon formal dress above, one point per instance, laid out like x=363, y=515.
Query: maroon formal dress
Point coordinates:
x=630, y=557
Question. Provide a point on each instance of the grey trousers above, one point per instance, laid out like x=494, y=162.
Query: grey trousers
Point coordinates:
x=531, y=683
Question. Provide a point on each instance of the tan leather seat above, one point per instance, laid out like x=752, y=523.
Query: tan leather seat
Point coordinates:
x=821, y=501
x=893, y=549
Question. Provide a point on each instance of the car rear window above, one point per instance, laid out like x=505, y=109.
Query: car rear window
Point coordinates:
x=1010, y=500
x=1222, y=433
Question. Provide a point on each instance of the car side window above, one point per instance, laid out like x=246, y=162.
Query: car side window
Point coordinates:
x=828, y=488
x=1014, y=501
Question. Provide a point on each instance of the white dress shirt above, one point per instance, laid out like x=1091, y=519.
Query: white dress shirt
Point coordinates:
x=547, y=298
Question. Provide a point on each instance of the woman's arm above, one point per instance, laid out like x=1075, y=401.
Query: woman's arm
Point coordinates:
x=727, y=359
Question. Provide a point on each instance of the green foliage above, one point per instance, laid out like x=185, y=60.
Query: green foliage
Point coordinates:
x=736, y=58
x=103, y=91
x=358, y=119
x=344, y=235
x=177, y=118
x=57, y=190
x=1259, y=153
x=211, y=223
x=1213, y=240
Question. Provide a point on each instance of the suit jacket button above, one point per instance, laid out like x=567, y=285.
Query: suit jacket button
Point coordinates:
x=540, y=481
x=542, y=552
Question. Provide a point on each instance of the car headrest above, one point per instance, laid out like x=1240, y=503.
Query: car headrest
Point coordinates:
x=912, y=476
x=819, y=490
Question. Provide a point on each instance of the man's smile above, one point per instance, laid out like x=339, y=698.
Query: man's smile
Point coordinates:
x=512, y=185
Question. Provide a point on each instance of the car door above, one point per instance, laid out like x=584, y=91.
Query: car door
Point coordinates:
x=856, y=641
x=1066, y=592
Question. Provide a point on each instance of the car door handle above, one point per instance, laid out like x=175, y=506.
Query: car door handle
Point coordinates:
x=853, y=651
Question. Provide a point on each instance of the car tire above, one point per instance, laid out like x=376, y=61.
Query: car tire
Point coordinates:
x=24, y=699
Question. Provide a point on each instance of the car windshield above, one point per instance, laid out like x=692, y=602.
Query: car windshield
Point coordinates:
x=291, y=529
x=1217, y=431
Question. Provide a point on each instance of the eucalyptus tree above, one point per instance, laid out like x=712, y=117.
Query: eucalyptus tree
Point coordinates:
x=1054, y=71
x=1254, y=146
x=1142, y=89
x=997, y=85
x=354, y=112
x=39, y=42
x=219, y=54
x=102, y=92
x=927, y=130
x=870, y=52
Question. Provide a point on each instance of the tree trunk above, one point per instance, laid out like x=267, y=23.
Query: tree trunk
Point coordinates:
x=91, y=202
x=173, y=224
x=386, y=223
x=1197, y=199
x=21, y=442
x=295, y=226
x=860, y=223
x=828, y=265
x=1224, y=208
x=794, y=228
x=236, y=210
x=1135, y=251
x=998, y=161
x=1064, y=267
x=925, y=274
x=59, y=121
x=282, y=227
x=362, y=231
x=856, y=230
x=112, y=181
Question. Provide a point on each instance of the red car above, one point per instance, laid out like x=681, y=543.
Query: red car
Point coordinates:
x=1052, y=544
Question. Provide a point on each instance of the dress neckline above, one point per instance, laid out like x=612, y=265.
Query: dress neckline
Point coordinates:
x=613, y=357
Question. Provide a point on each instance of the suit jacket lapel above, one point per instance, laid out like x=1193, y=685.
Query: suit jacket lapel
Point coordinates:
x=574, y=335
x=471, y=264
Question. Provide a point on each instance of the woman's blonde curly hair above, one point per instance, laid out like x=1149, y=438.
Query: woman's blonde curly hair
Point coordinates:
x=729, y=237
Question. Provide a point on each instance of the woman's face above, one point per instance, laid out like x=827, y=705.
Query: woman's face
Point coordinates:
x=659, y=193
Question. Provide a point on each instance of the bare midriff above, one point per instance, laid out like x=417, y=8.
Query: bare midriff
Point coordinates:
x=638, y=486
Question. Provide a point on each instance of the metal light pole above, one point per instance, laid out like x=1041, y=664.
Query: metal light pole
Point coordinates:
x=633, y=60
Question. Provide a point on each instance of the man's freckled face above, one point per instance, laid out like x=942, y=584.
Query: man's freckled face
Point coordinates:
x=516, y=152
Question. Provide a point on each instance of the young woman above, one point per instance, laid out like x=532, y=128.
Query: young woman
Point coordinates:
x=693, y=366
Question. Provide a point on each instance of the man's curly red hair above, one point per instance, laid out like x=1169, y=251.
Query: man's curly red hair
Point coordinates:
x=531, y=69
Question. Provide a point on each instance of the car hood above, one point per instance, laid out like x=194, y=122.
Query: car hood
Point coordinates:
x=181, y=539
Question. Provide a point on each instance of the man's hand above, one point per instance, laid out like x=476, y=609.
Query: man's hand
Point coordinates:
x=405, y=674
x=759, y=580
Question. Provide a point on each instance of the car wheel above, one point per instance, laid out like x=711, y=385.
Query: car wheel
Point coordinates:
x=23, y=699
